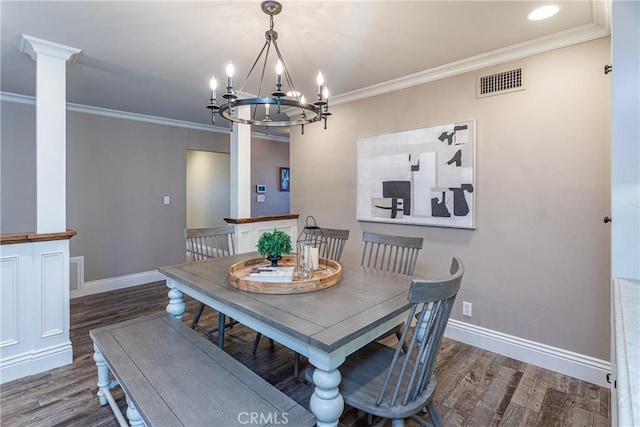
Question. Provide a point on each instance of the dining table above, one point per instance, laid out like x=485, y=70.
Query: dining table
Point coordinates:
x=324, y=325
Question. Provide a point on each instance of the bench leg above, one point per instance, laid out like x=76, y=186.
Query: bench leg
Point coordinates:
x=103, y=376
x=105, y=386
x=133, y=415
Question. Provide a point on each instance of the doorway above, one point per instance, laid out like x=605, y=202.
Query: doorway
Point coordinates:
x=208, y=189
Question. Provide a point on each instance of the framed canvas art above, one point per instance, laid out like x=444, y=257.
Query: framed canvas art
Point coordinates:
x=285, y=180
x=421, y=176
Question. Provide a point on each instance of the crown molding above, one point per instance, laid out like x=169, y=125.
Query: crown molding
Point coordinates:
x=105, y=112
x=34, y=46
x=559, y=40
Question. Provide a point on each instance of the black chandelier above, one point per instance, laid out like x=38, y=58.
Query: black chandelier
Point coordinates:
x=299, y=111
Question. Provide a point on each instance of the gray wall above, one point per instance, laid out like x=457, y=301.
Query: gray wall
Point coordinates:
x=267, y=157
x=537, y=266
x=117, y=174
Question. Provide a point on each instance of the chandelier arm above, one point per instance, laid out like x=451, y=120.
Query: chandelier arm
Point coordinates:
x=264, y=66
x=253, y=66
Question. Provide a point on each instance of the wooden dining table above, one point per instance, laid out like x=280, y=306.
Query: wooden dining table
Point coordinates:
x=325, y=326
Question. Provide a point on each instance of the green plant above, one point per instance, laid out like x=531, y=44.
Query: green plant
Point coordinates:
x=275, y=243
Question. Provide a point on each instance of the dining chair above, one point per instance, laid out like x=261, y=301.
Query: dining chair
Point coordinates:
x=396, y=254
x=206, y=243
x=335, y=240
x=397, y=384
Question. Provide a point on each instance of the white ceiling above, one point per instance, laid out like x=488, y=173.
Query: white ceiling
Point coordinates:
x=156, y=58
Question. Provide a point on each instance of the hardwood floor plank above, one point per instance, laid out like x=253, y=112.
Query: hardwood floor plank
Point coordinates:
x=487, y=410
x=532, y=389
x=556, y=409
x=583, y=417
x=516, y=415
x=475, y=387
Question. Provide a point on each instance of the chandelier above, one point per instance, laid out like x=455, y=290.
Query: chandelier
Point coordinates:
x=265, y=109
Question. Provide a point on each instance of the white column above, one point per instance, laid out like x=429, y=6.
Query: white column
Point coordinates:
x=240, y=149
x=51, y=137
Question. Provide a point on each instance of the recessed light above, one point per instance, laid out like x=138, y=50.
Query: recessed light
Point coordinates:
x=543, y=12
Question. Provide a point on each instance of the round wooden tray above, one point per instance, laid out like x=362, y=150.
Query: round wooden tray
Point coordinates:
x=321, y=279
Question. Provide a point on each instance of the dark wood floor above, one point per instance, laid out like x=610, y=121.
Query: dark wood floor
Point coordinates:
x=475, y=387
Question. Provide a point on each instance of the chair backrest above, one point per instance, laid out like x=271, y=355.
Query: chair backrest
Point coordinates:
x=335, y=240
x=411, y=367
x=204, y=243
x=397, y=254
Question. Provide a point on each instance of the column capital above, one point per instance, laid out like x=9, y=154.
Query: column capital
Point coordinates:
x=34, y=46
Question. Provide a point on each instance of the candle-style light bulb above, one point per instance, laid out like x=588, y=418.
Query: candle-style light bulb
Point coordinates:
x=229, y=76
x=325, y=93
x=320, y=81
x=279, y=69
x=302, y=100
x=213, y=84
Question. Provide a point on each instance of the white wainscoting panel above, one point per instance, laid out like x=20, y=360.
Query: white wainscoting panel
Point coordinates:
x=35, y=308
x=53, y=273
x=247, y=234
x=9, y=300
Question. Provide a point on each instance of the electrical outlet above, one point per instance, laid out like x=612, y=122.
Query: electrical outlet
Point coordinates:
x=466, y=308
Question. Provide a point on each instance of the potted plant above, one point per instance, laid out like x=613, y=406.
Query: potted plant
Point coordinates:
x=273, y=245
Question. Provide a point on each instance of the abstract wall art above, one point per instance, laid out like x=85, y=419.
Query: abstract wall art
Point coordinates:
x=421, y=176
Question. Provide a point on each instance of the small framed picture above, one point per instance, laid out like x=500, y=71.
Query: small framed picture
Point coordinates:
x=261, y=188
x=285, y=180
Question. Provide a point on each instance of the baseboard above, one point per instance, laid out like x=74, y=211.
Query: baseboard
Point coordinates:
x=566, y=362
x=34, y=362
x=120, y=282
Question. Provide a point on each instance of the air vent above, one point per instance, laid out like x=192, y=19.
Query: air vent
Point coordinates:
x=76, y=276
x=499, y=83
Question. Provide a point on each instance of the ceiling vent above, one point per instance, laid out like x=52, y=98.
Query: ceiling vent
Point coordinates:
x=499, y=83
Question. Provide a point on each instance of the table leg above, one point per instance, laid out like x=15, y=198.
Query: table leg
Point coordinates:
x=176, y=306
x=326, y=402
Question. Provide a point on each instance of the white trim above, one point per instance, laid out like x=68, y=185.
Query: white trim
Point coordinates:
x=559, y=40
x=35, y=362
x=120, y=282
x=98, y=111
x=566, y=362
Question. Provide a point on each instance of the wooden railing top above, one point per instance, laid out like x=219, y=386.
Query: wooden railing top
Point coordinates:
x=30, y=237
x=260, y=218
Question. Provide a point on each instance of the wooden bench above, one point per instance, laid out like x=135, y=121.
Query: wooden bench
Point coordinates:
x=172, y=376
